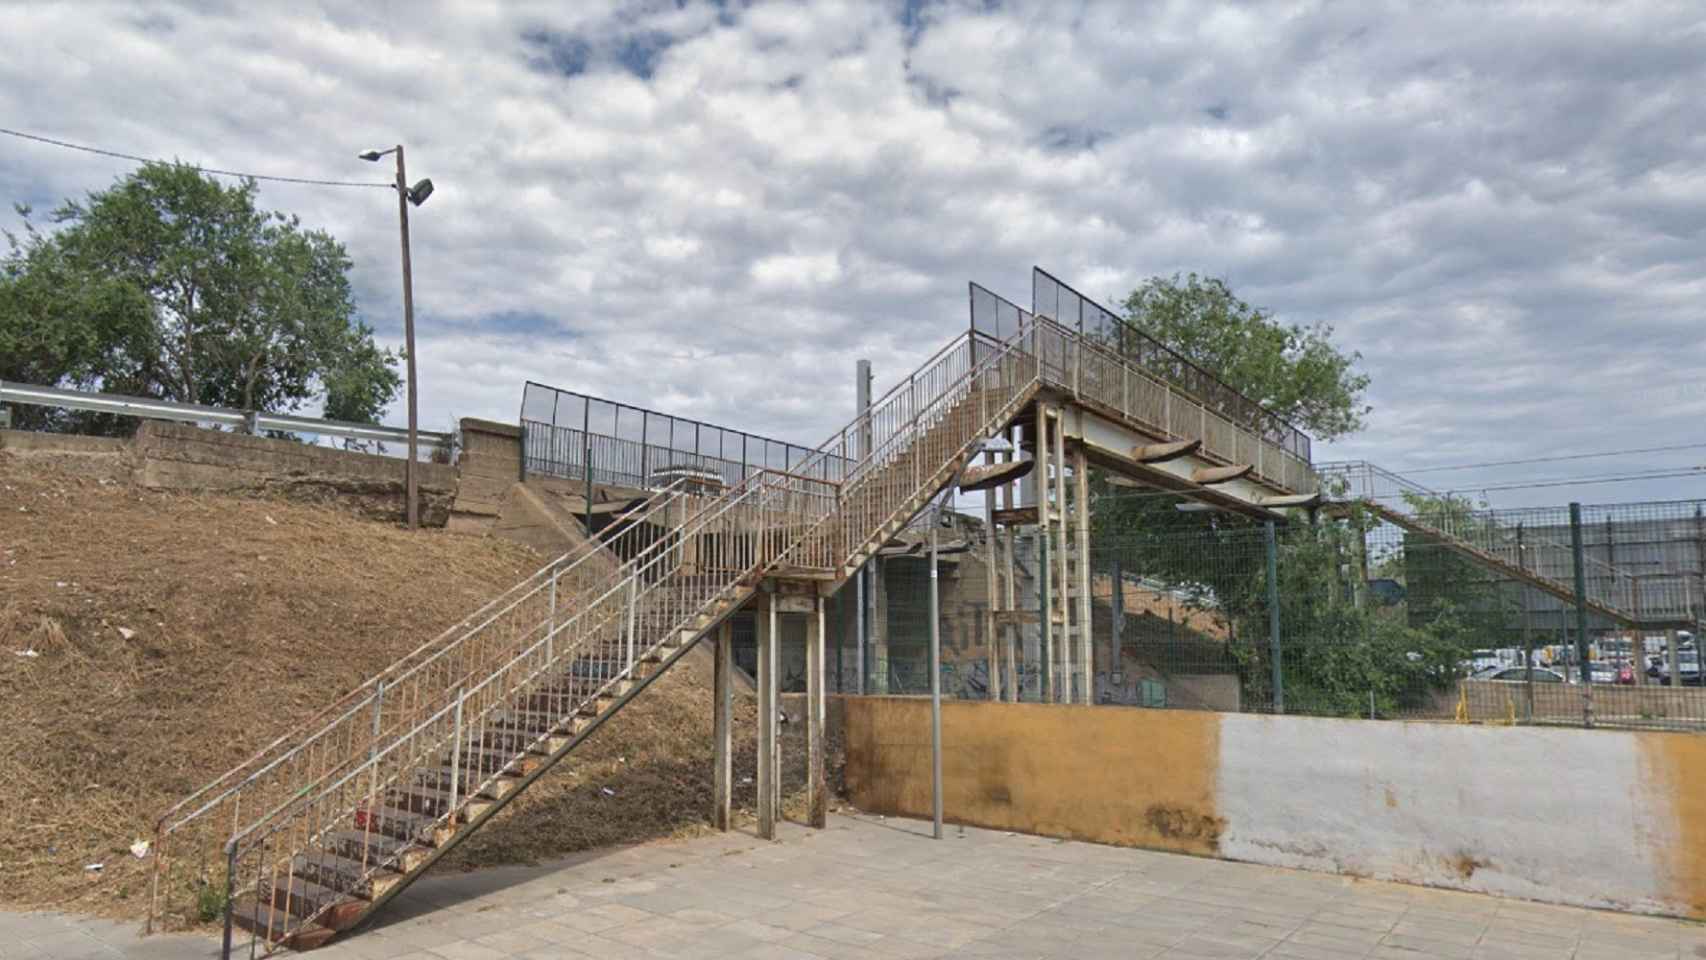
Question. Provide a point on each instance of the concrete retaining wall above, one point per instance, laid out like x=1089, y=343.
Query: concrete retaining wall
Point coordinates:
x=180, y=457
x=1598, y=818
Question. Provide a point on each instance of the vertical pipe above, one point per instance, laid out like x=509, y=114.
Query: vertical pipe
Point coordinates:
x=1045, y=573
x=935, y=688
x=1274, y=617
x=1063, y=557
x=991, y=535
x=1576, y=559
x=862, y=450
x=1081, y=503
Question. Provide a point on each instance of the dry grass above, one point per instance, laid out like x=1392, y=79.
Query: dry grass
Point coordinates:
x=248, y=616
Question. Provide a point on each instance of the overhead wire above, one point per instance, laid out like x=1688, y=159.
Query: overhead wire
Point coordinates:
x=223, y=173
x=1558, y=459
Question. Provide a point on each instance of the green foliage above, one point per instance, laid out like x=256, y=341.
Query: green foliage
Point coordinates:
x=1294, y=371
x=170, y=284
x=210, y=903
x=1338, y=655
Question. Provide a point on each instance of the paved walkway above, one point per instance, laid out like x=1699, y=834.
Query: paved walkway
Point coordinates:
x=869, y=888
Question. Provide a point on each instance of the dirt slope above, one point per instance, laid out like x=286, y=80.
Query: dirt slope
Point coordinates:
x=245, y=616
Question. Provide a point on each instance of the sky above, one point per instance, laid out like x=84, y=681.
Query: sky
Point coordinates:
x=715, y=209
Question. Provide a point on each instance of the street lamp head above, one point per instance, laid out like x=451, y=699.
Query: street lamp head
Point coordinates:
x=420, y=191
x=374, y=155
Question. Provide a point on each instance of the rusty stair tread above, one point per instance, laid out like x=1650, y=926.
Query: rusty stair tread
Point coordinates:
x=397, y=823
x=379, y=847
x=300, y=897
x=269, y=922
x=341, y=873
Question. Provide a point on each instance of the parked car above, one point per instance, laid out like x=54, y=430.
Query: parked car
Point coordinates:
x=1519, y=675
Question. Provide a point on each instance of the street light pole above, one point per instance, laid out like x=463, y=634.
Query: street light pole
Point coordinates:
x=408, y=340
x=406, y=195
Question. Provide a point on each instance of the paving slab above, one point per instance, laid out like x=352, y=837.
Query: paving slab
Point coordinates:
x=869, y=888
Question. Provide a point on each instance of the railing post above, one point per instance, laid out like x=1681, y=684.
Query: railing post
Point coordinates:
x=633, y=606
x=373, y=748
x=551, y=620
x=230, y=894
x=456, y=748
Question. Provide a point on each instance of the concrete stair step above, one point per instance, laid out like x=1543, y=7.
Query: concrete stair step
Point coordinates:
x=343, y=874
x=431, y=802
x=440, y=778
x=270, y=923
x=401, y=825
x=368, y=847
x=304, y=898
x=481, y=761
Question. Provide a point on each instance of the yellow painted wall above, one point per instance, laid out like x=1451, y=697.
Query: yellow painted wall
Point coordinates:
x=1673, y=767
x=1108, y=774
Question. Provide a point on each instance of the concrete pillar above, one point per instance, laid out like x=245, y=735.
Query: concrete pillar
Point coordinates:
x=722, y=726
x=767, y=685
x=817, y=796
x=775, y=711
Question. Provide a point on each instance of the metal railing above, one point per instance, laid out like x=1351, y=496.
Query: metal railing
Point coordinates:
x=335, y=738
x=1532, y=543
x=577, y=436
x=253, y=421
x=1053, y=298
x=1094, y=370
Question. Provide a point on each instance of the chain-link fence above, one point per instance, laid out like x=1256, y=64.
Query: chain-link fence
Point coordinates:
x=1432, y=610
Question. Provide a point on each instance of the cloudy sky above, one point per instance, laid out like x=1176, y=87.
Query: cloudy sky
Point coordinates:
x=714, y=209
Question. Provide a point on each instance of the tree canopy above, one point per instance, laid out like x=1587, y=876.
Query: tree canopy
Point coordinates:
x=1294, y=371
x=170, y=284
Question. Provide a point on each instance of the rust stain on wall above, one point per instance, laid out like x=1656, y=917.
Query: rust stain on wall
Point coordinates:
x=1674, y=767
x=1108, y=774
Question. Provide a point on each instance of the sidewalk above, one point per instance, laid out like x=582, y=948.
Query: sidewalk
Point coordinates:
x=873, y=888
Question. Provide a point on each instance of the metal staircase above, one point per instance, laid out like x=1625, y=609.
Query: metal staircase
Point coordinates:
x=324, y=825
x=1514, y=551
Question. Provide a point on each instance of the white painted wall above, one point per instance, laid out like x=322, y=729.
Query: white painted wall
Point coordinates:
x=1555, y=815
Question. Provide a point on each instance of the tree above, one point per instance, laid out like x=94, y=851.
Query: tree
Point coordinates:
x=170, y=284
x=1292, y=370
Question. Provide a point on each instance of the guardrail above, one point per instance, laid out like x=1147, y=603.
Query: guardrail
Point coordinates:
x=251, y=421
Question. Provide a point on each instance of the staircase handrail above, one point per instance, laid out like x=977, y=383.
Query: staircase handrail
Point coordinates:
x=304, y=735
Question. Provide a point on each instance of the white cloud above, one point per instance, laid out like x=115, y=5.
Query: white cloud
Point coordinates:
x=716, y=210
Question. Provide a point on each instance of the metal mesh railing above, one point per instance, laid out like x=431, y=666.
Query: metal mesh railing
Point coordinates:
x=577, y=436
x=1052, y=298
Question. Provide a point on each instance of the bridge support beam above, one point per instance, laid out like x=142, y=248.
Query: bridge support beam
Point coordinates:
x=817, y=795
x=722, y=726
x=768, y=662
